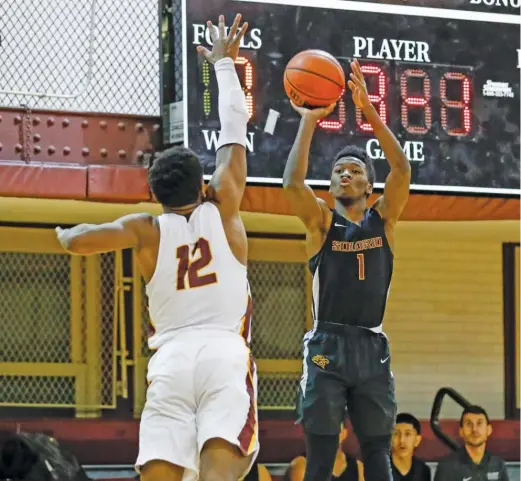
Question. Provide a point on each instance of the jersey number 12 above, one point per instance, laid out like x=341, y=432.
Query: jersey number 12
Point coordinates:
x=189, y=266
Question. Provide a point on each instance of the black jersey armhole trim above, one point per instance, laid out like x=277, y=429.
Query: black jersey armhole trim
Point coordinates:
x=384, y=236
x=312, y=258
x=377, y=212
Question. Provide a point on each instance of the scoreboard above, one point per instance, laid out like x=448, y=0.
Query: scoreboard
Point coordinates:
x=445, y=81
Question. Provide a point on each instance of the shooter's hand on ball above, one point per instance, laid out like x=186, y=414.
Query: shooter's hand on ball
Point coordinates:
x=358, y=87
x=316, y=114
x=224, y=45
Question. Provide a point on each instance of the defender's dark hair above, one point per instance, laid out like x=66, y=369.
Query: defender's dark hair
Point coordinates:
x=175, y=177
x=360, y=154
x=407, y=418
x=473, y=409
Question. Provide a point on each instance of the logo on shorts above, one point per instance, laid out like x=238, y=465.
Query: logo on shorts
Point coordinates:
x=320, y=361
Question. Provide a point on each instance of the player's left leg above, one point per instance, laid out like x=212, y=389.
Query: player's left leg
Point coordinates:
x=321, y=451
x=227, y=425
x=168, y=449
x=159, y=470
x=372, y=409
x=322, y=400
x=223, y=461
x=376, y=458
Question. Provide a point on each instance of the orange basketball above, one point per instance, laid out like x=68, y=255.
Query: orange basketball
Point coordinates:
x=314, y=78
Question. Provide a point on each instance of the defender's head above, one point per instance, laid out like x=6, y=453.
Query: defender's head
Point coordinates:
x=176, y=177
x=353, y=174
x=475, y=426
x=406, y=436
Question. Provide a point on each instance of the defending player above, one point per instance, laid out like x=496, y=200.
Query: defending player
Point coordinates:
x=200, y=415
x=346, y=355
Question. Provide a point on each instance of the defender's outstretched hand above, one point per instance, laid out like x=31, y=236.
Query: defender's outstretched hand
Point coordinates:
x=224, y=45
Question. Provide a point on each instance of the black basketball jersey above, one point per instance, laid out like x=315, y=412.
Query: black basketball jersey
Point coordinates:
x=419, y=472
x=352, y=272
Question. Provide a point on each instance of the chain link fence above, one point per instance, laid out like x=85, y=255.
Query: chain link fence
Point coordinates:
x=34, y=319
x=85, y=56
x=279, y=303
x=146, y=326
x=279, y=322
x=37, y=391
x=57, y=322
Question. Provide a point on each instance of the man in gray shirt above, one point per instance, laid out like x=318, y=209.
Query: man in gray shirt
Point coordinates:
x=472, y=462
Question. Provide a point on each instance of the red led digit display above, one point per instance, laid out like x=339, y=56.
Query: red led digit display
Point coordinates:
x=463, y=104
x=378, y=98
x=418, y=96
x=332, y=124
x=247, y=83
x=415, y=102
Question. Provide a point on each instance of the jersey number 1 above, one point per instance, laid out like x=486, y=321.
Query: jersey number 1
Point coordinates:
x=189, y=265
x=361, y=267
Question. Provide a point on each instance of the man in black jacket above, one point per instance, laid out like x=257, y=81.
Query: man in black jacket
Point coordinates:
x=472, y=462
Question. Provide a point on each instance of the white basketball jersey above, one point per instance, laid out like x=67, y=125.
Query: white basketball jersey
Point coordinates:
x=198, y=282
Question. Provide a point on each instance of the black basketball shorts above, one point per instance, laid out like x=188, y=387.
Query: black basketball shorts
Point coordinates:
x=346, y=367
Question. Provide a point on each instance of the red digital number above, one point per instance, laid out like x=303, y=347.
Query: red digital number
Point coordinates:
x=247, y=83
x=463, y=104
x=377, y=99
x=332, y=124
x=416, y=102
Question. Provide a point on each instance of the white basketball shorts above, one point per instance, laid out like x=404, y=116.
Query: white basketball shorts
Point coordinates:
x=202, y=385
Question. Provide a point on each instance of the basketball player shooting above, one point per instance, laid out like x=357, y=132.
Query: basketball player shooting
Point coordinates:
x=200, y=416
x=346, y=355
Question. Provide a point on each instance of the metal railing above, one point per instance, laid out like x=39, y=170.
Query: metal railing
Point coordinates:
x=59, y=343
